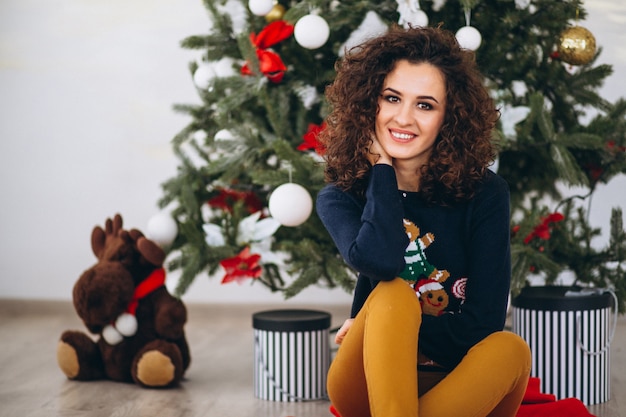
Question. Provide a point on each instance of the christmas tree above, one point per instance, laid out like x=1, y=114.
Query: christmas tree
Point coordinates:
x=250, y=164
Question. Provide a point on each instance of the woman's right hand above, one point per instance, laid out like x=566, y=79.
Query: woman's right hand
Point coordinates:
x=343, y=330
x=376, y=154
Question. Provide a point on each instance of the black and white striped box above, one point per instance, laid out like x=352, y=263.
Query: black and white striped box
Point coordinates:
x=569, y=337
x=292, y=354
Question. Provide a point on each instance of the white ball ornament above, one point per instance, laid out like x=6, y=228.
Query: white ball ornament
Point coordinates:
x=203, y=76
x=290, y=204
x=162, y=229
x=224, y=68
x=223, y=134
x=412, y=17
x=419, y=18
x=469, y=38
x=260, y=7
x=311, y=31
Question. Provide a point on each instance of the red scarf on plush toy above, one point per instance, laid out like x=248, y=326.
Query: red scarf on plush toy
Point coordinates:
x=155, y=280
x=536, y=404
x=126, y=324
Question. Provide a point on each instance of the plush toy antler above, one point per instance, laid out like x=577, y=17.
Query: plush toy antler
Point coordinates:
x=103, y=240
x=110, y=244
x=150, y=251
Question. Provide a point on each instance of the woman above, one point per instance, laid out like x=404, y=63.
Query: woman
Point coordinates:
x=413, y=207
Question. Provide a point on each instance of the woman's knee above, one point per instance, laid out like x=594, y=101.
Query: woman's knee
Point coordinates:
x=510, y=348
x=394, y=301
x=397, y=290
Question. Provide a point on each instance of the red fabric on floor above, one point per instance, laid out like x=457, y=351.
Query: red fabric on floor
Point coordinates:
x=534, y=395
x=537, y=404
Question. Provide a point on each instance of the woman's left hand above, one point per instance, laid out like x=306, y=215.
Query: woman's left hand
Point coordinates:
x=343, y=330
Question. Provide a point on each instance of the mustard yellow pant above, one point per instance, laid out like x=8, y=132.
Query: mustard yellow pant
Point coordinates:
x=375, y=371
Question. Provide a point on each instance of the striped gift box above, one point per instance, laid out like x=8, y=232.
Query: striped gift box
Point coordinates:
x=569, y=336
x=291, y=354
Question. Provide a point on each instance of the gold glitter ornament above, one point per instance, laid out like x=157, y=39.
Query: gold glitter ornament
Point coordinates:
x=277, y=13
x=577, y=45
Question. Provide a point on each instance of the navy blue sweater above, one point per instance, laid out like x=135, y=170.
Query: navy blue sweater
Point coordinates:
x=460, y=253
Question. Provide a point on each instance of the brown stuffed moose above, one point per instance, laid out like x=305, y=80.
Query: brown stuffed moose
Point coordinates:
x=123, y=299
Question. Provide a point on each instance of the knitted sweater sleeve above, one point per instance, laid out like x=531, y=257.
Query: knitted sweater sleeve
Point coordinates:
x=448, y=337
x=369, y=234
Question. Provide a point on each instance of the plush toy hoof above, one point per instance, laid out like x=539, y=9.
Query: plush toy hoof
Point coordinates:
x=154, y=369
x=78, y=357
x=67, y=360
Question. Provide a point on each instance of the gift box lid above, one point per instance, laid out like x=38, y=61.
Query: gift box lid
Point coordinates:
x=291, y=320
x=562, y=298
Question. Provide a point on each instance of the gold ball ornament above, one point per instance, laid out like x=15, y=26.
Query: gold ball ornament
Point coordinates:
x=577, y=45
x=277, y=13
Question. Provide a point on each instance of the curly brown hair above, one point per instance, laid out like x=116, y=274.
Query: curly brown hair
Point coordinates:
x=464, y=148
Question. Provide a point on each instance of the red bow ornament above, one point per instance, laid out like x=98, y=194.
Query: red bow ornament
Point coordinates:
x=310, y=140
x=270, y=63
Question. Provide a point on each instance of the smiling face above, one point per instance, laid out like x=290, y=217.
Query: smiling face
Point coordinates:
x=412, y=108
x=434, y=302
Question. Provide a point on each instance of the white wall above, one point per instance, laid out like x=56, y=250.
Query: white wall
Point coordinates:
x=86, y=91
x=606, y=20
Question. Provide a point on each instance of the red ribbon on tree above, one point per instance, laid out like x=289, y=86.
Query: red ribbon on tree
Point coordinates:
x=227, y=198
x=542, y=230
x=270, y=63
x=310, y=140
